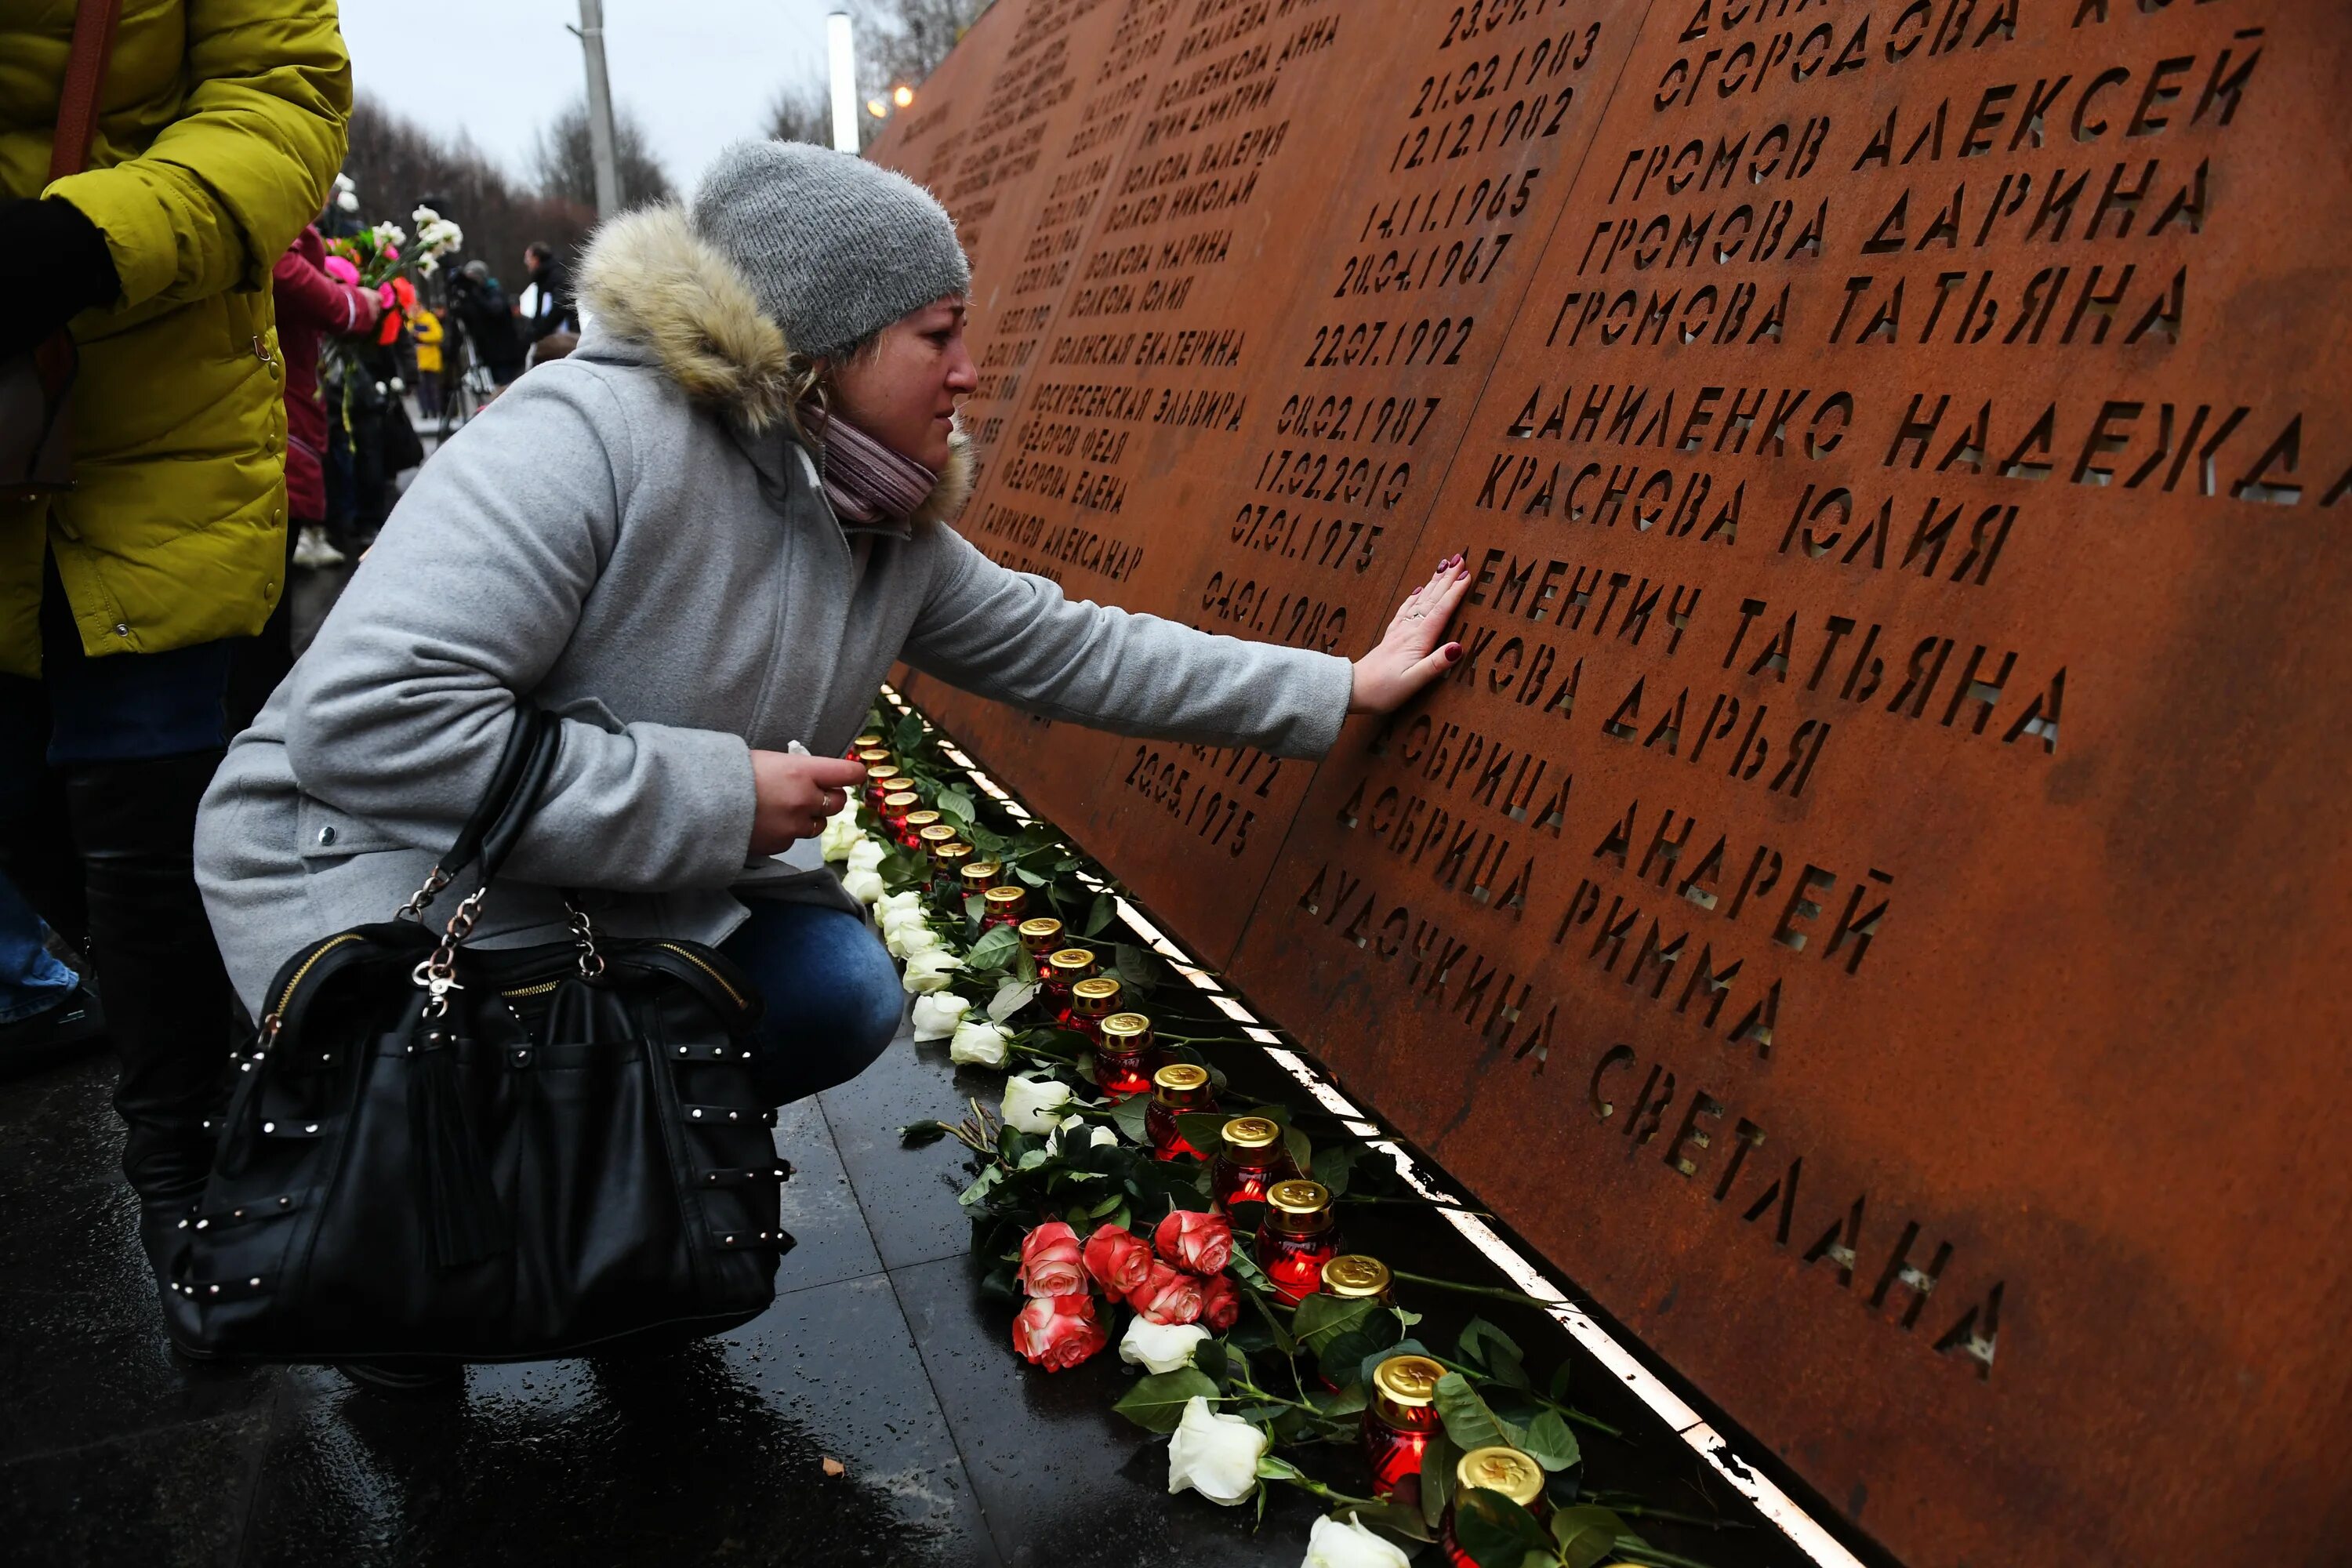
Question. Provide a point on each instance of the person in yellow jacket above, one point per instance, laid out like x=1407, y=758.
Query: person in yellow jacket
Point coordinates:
x=220, y=126
x=425, y=327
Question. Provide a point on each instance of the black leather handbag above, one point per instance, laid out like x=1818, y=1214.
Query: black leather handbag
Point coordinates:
x=435, y=1153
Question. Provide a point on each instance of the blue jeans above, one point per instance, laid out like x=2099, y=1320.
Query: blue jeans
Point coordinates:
x=833, y=996
x=31, y=981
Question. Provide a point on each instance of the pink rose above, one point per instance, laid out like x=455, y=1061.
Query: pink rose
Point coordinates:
x=1057, y=1331
x=1221, y=1302
x=1118, y=1260
x=1166, y=1296
x=1203, y=1243
x=1050, y=1261
x=344, y=268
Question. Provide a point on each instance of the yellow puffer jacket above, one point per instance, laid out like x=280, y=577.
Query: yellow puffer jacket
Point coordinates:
x=220, y=126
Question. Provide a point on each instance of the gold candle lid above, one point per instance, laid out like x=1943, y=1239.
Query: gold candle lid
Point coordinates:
x=1000, y=901
x=1356, y=1276
x=1410, y=1381
x=921, y=819
x=877, y=773
x=1072, y=963
x=872, y=755
x=865, y=743
x=1500, y=1468
x=935, y=834
x=1176, y=1077
x=901, y=800
x=1039, y=933
x=1096, y=994
x=981, y=874
x=1299, y=1204
x=1131, y=1030
x=946, y=855
x=1251, y=1132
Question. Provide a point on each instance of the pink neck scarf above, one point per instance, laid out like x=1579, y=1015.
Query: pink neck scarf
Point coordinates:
x=866, y=481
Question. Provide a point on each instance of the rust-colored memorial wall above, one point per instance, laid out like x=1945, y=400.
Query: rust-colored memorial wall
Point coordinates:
x=1871, y=904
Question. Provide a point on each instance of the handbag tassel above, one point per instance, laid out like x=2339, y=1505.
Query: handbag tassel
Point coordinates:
x=462, y=1218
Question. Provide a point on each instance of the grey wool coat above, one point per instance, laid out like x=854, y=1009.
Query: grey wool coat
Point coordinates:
x=633, y=538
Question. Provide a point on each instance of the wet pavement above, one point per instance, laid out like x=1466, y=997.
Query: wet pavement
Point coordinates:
x=879, y=1355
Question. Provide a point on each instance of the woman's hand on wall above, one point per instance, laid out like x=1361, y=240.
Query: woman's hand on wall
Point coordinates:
x=1408, y=657
x=794, y=795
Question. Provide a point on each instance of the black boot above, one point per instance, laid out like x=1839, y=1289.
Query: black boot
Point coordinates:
x=168, y=1001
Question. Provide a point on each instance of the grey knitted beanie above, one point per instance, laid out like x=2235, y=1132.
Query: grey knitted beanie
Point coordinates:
x=835, y=248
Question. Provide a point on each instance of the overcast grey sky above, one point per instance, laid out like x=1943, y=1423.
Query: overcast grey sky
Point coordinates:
x=698, y=73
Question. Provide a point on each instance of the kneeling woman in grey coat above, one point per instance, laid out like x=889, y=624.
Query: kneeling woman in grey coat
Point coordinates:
x=702, y=537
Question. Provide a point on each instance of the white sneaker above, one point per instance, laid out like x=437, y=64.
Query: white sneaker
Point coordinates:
x=312, y=549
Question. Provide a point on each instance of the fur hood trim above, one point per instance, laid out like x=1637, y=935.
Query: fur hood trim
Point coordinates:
x=649, y=278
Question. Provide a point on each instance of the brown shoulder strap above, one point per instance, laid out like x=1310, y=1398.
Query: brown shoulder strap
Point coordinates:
x=93, y=42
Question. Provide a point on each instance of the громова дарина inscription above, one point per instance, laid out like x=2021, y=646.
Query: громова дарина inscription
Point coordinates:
x=1886, y=836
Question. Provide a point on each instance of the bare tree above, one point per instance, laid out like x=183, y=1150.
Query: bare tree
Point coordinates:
x=565, y=167
x=904, y=40
x=800, y=113
x=398, y=165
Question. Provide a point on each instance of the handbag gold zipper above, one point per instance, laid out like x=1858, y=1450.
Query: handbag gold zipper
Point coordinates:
x=287, y=995
x=734, y=995
x=541, y=989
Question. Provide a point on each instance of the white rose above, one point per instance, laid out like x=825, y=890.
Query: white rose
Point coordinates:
x=1334, y=1544
x=929, y=971
x=978, y=1044
x=1214, y=1455
x=1159, y=1347
x=908, y=902
x=839, y=835
x=911, y=939
x=1096, y=1139
x=898, y=917
x=865, y=856
x=937, y=1015
x=1033, y=1105
x=865, y=885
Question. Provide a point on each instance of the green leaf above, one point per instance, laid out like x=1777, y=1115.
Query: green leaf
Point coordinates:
x=1588, y=1535
x=1340, y=1405
x=1136, y=967
x=1026, y=875
x=1012, y=995
x=1557, y=1387
x=1205, y=1130
x=993, y=951
x=1393, y=1517
x=1332, y=1165
x=1302, y=1153
x=1488, y=1348
x=1437, y=1461
x=1157, y=1402
x=1547, y=1441
x=1129, y=1115
x=1210, y=1357
x=921, y=1134
x=989, y=844
x=1469, y=1420
x=956, y=806
x=1321, y=1319
x=1104, y=910
x=1495, y=1531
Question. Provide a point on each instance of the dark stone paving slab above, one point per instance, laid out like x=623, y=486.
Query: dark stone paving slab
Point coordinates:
x=170, y=1499
x=908, y=1195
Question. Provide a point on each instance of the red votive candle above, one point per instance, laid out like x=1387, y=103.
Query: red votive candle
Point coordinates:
x=1252, y=1161
x=1297, y=1236
x=1499, y=1469
x=894, y=807
x=980, y=875
x=1041, y=934
x=868, y=742
x=1064, y=970
x=1400, y=1418
x=998, y=906
x=1123, y=1055
x=1178, y=1087
x=911, y=825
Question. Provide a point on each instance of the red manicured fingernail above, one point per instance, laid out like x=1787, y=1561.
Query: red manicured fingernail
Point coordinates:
x=1452, y=651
